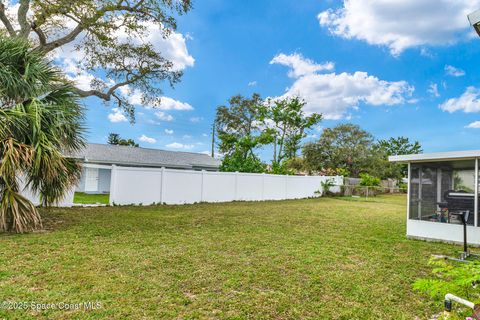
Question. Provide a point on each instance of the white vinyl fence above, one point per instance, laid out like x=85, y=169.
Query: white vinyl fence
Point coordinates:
x=66, y=201
x=146, y=186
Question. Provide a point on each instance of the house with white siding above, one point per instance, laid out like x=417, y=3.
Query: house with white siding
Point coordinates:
x=97, y=161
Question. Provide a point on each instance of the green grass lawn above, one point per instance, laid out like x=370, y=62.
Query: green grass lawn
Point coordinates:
x=318, y=258
x=86, y=198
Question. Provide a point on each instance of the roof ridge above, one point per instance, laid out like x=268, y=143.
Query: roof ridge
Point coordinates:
x=153, y=149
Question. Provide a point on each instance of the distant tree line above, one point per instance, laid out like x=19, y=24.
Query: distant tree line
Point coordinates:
x=247, y=125
x=115, y=139
x=349, y=150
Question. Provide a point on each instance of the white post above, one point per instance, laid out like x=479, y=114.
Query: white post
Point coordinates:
x=235, y=196
x=263, y=186
x=420, y=194
x=475, y=206
x=408, y=190
x=439, y=185
x=162, y=185
x=113, y=178
x=202, y=187
x=286, y=186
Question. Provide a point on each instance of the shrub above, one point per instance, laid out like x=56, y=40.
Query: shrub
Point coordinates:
x=449, y=277
x=403, y=187
x=342, y=172
x=368, y=180
x=326, y=186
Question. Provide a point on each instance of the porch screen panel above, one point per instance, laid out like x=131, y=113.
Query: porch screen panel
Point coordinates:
x=447, y=181
x=414, y=190
x=428, y=200
x=440, y=190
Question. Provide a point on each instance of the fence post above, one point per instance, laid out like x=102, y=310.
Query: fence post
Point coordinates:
x=263, y=186
x=286, y=186
x=235, y=196
x=202, y=187
x=113, y=178
x=162, y=185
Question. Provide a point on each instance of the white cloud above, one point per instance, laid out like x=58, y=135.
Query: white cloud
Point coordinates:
x=426, y=53
x=195, y=119
x=163, y=116
x=117, y=116
x=146, y=139
x=167, y=103
x=474, y=125
x=468, y=102
x=334, y=94
x=186, y=136
x=433, y=90
x=454, y=72
x=135, y=97
x=168, y=131
x=252, y=84
x=401, y=24
x=300, y=66
x=173, y=47
x=177, y=145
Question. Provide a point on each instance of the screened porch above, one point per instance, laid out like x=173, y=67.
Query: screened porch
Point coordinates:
x=442, y=192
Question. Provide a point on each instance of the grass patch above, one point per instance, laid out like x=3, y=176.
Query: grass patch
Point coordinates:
x=87, y=198
x=317, y=258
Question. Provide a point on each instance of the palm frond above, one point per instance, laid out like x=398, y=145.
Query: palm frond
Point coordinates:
x=41, y=117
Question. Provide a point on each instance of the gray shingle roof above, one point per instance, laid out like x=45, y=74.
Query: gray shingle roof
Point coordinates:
x=125, y=155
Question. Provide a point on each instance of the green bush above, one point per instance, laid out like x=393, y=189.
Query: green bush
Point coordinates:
x=403, y=187
x=369, y=181
x=450, y=277
x=326, y=186
x=236, y=162
x=342, y=172
x=281, y=168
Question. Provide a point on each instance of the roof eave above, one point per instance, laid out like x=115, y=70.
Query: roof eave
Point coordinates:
x=438, y=156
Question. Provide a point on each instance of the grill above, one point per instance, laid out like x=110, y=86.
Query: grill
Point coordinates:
x=461, y=204
x=458, y=202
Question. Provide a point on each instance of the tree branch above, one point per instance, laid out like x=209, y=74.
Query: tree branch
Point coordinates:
x=107, y=95
x=22, y=18
x=4, y=19
x=41, y=35
x=47, y=47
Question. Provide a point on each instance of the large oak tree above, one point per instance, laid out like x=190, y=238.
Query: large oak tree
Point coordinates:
x=111, y=36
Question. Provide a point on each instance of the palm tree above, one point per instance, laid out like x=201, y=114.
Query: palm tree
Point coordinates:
x=40, y=119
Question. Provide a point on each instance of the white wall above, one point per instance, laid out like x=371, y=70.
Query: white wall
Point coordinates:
x=442, y=231
x=66, y=201
x=149, y=185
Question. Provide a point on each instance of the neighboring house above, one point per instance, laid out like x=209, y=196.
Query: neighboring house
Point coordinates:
x=97, y=161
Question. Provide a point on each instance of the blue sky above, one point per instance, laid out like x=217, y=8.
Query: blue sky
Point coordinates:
x=393, y=67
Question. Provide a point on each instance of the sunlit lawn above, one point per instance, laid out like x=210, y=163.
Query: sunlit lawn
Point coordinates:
x=87, y=198
x=317, y=258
